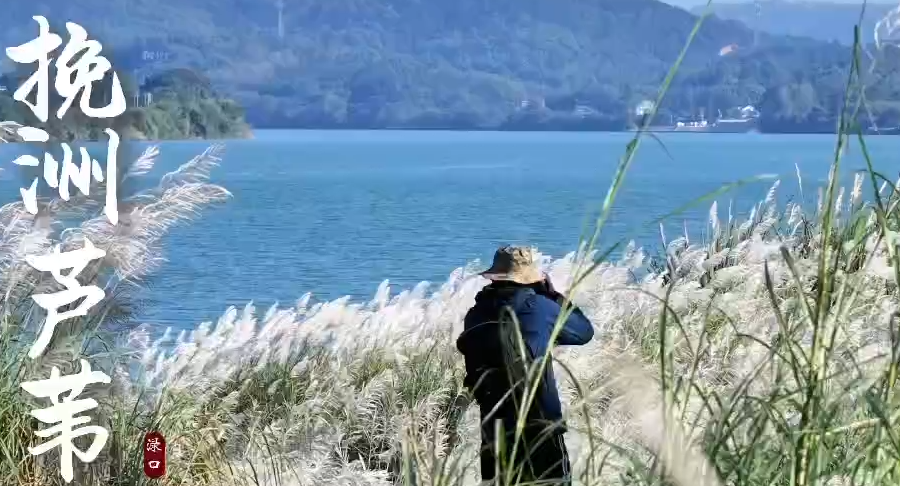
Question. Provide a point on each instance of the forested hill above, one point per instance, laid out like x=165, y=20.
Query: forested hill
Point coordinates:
x=459, y=64
x=814, y=19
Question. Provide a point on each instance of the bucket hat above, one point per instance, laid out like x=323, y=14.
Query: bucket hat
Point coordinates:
x=514, y=264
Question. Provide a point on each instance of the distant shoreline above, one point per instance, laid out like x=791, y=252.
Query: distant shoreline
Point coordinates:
x=137, y=136
x=248, y=134
x=133, y=138
x=547, y=130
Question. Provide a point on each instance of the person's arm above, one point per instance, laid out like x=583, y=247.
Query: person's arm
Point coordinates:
x=577, y=330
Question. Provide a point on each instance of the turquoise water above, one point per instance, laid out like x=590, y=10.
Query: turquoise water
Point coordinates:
x=335, y=213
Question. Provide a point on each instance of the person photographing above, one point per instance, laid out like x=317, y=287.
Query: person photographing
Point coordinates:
x=507, y=329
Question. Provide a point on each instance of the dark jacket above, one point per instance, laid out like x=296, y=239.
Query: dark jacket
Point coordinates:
x=486, y=347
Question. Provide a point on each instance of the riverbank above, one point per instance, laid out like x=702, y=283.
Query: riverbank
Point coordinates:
x=243, y=132
x=551, y=129
x=174, y=114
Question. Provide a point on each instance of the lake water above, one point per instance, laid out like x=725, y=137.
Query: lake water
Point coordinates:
x=335, y=213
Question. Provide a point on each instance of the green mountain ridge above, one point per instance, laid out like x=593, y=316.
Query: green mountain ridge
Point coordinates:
x=464, y=64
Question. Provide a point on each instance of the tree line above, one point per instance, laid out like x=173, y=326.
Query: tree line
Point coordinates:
x=470, y=64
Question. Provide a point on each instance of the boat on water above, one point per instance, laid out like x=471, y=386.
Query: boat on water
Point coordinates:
x=883, y=130
x=719, y=126
x=747, y=122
